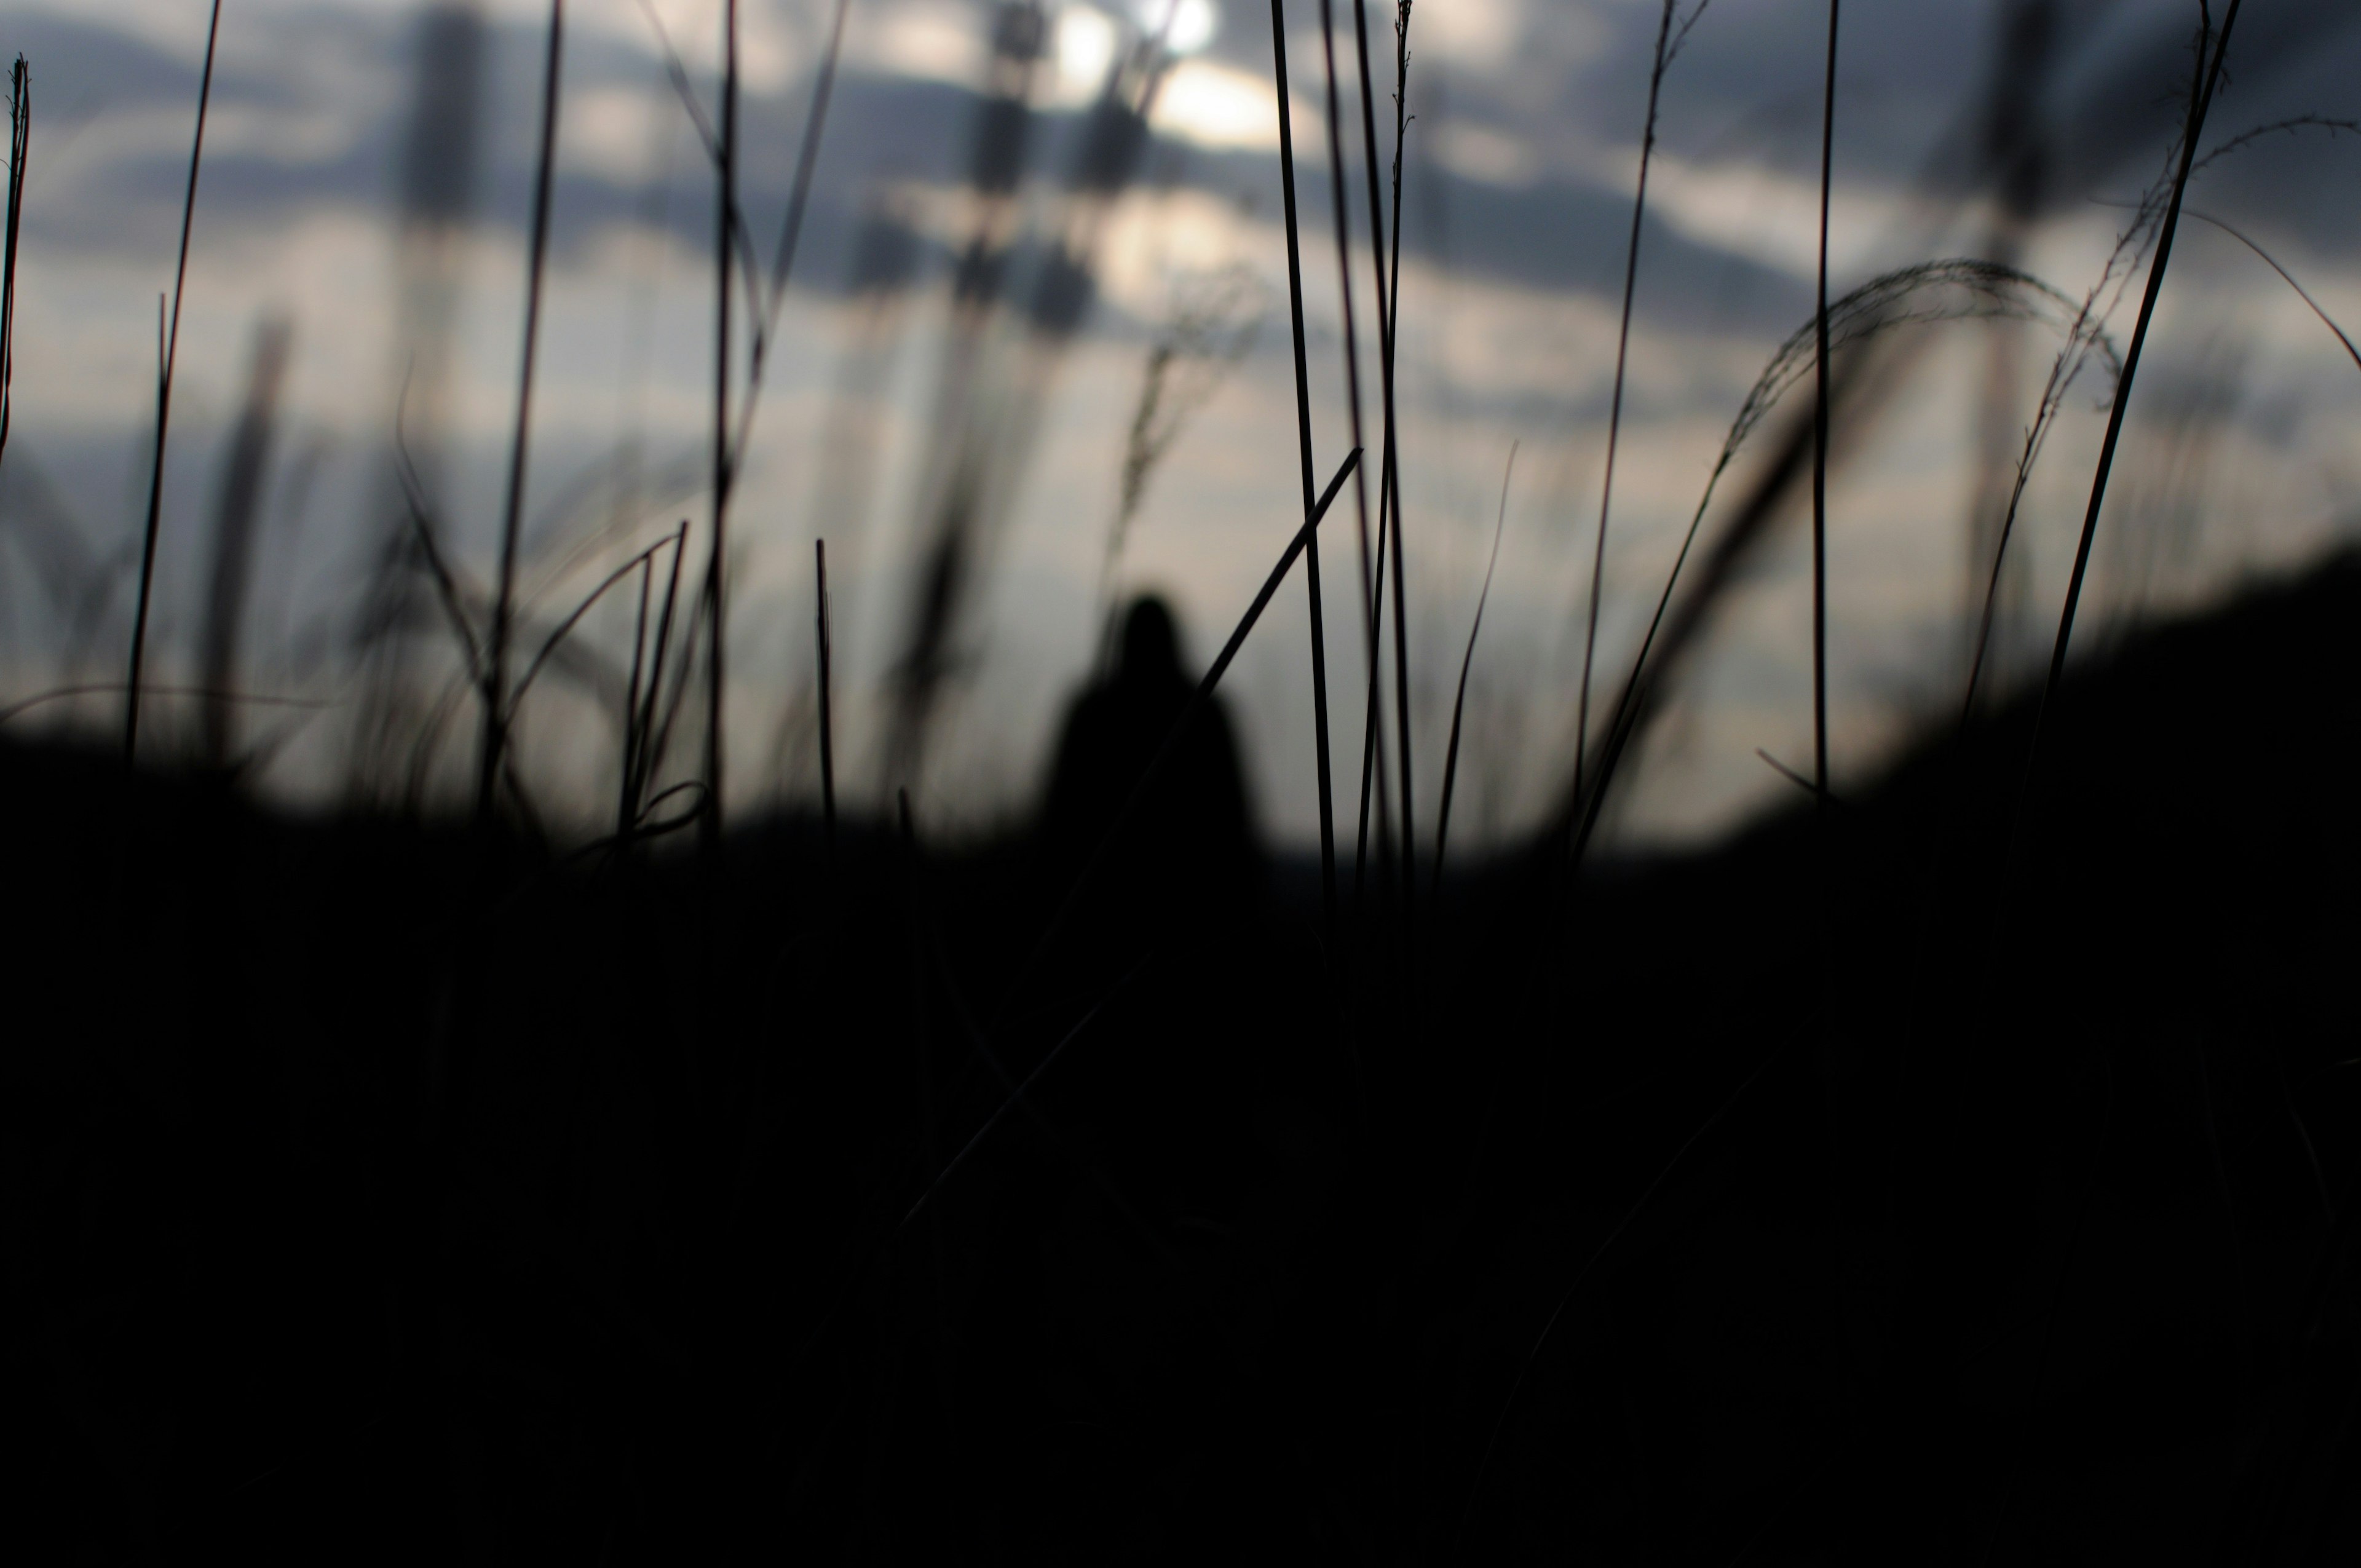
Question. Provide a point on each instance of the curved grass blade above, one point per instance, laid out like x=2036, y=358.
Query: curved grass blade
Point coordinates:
x=1466, y=662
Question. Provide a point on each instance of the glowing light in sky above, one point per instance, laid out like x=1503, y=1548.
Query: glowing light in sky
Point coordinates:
x=1085, y=46
x=1192, y=26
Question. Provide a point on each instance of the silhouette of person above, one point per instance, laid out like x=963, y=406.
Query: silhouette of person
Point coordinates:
x=1172, y=909
x=1187, y=856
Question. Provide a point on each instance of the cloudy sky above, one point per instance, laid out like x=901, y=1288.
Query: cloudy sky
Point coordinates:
x=2240, y=455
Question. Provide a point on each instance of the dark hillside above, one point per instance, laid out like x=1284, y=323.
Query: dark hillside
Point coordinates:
x=1942, y=1180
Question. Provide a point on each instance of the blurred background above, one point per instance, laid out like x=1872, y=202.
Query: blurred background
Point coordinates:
x=1034, y=358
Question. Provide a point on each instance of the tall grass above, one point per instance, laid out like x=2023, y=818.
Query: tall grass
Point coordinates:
x=2286, y=277
x=1466, y=663
x=826, y=724
x=1669, y=38
x=20, y=146
x=1820, y=431
x=163, y=399
x=725, y=213
x=1392, y=498
x=1859, y=324
x=497, y=698
x=1304, y=439
x=1340, y=224
x=2207, y=79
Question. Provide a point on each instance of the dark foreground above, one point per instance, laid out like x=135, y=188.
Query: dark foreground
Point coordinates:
x=366, y=1200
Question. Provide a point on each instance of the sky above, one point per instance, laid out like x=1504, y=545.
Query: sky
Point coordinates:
x=2240, y=457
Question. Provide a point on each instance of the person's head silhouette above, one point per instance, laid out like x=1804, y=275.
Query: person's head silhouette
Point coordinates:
x=1151, y=646
x=1190, y=837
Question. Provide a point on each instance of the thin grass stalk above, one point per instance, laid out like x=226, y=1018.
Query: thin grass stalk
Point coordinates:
x=1468, y=663
x=1820, y=438
x=827, y=730
x=2208, y=79
x=1303, y=436
x=1582, y=815
x=1402, y=129
x=2083, y=334
x=2148, y=212
x=1867, y=310
x=1574, y=1287
x=1402, y=704
x=1378, y=259
x=446, y=582
x=2036, y=436
x=163, y=397
x=208, y=694
x=726, y=207
x=1390, y=499
x=2062, y=372
x=495, y=697
x=741, y=238
x=1343, y=225
x=1372, y=777
x=791, y=228
x=1014, y=1096
x=682, y=679
x=644, y=762
x=1579, y=816
x=632, y=700
x=1372, y=746
x=574, y=618
x=1389, y=294
x=2286, y=277
x=1615, y=403
x=20, y=142
x=1372, y=737
x=931, y=947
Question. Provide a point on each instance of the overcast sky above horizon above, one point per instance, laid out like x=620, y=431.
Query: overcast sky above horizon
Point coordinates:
x=2242, y=455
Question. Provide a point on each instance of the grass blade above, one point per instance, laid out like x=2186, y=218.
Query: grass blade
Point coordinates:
x=1889, y=300
x=791, y=228
x=2209, y=77
x=1342, y=223
x=725, y=210
x=163, y=397
x=638, y=563
x=1820, y=435
x=1466, y=662
x=1303, y=434
x=20, y=143
x=2287, y=277
x=205, y=694
x=1015, y=1095
x=495, y=698
x=649, y=751
x=1615, y=403
x=631, y=701
x=827, y=730
x=1533, y=1354
x=1392, y=503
